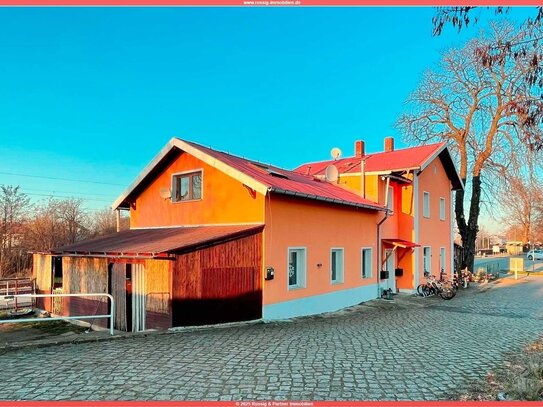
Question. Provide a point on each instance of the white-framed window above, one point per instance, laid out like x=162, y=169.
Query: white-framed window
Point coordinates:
x=336, y=265
x=426, y=204
x=296, y=267
x=442, y=208
x=427, y=260
x=442, y=258
x=366, y=261
x=187, y=186
x=390, y=201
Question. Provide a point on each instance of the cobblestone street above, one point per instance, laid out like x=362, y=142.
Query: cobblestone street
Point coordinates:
x=401, y=350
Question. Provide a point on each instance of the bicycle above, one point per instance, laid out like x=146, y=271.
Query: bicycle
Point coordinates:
x=445, y=289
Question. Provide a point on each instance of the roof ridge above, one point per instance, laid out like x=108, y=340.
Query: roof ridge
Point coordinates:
x=235, y=156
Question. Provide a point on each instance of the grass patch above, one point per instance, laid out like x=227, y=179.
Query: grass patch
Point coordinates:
x=520, y=377
x=49, y=327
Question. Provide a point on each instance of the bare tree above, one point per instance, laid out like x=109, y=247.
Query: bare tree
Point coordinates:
x=523, y=207
x=461, y=16
x=57, y=223
x=104, y=221
x=480, y=102
x=13, y=207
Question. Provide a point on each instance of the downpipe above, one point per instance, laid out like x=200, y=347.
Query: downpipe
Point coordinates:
x=379, y=257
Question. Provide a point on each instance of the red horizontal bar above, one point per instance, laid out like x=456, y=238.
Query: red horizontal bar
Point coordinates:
x=264, y=3
x=270, y=403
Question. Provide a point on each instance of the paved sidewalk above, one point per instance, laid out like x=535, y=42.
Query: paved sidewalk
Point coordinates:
x=404, y=349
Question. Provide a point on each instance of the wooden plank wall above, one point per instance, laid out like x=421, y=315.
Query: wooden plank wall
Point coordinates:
x=118, y=291
x=42, y=271
x=221, y=283
x=85, y=275
x=158, y=283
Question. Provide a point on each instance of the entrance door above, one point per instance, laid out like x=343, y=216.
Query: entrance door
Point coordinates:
x=390, y=266
x=138, y=297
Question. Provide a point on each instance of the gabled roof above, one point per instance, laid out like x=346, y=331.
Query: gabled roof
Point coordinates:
x=262, y=178
x=407, y=159
x=154, y=242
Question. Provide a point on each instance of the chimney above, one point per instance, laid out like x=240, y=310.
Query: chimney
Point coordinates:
x=389, y=144
x=359, y=148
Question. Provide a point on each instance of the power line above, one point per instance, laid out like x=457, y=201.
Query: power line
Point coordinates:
x=66, y=196
x=59, y=179
x=63, y=192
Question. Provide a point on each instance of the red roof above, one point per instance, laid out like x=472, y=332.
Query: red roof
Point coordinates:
x=156, y=241
x=292, y=183
x=407, y=158
x=412, y=158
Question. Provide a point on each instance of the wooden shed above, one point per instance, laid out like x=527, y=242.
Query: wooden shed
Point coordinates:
x=160, y=277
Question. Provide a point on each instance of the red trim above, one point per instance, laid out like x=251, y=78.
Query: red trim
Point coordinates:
x=261, y=3
x=267, y=403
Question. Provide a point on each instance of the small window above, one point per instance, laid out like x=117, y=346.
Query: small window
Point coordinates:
x=296, y=267
x=336, y=265
x=366, y=262
x=426, y=204
x=187, y=186
x=442, y=208
x=427, y=260
x=442, y=262
x=390, y=202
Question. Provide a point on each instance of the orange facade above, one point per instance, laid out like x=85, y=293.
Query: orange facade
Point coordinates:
x=407, y=221
x=224, y=199
x=434, y=230
x=319, y=231
x=317, y=228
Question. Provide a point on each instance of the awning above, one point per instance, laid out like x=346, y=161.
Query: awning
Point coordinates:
x=404, y=244
x=156, y=242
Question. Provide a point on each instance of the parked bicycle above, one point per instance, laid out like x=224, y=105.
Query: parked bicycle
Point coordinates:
x=433, y=286
x=462, y=279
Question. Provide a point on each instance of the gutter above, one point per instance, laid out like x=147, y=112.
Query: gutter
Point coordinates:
x=321, y=198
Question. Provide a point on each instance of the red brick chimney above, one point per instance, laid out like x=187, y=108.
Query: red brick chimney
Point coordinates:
x=359, y=148
x=389, y=144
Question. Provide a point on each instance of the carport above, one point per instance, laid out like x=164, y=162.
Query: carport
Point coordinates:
x=162, y=277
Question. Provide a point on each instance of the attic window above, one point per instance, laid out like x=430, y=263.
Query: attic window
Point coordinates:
x=271, y=171
x=277, y=174
x=187, y=186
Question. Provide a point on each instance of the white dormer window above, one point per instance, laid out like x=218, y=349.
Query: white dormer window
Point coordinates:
x=187, y=186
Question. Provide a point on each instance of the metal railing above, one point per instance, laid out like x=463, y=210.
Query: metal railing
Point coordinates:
x=111, y=314
x=12, y=286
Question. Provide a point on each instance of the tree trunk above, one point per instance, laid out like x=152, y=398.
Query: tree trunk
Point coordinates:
x=468, y=231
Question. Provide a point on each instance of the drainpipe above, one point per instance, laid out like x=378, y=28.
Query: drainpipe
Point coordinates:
x=387, y=214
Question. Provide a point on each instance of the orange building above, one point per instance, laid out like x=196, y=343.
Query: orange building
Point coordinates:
x=215, y=238
x=416, y=185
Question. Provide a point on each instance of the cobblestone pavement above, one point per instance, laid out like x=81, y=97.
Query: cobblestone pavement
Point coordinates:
x=401, y=350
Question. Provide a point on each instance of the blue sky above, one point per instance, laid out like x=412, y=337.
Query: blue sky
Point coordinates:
x=93, y=93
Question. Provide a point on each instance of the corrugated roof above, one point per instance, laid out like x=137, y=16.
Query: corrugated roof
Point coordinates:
x=261, y=177
x=412, y=157
x=157, y=241
x=288, y=182
x=397, y=160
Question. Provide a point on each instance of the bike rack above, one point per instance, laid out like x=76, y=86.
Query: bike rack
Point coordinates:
x=110, y=315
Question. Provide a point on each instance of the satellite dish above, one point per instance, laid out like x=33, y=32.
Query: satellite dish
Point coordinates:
x=165, y=193
x=331, y=173
x=335, y=153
